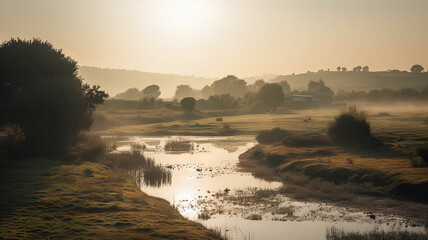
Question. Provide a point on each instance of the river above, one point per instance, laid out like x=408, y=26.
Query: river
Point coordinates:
x=207, y=186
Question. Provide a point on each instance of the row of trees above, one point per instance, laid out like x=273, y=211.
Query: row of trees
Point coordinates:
x=384, y=95
x=228, y=85
x=417, y=68
x=355, y=69
x=152, y=91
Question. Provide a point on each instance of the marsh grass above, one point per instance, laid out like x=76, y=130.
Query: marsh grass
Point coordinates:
x=179, y=145
x=289, y=211
x=204, y=215
x=306, y=140
x=143, y=170
x=334, y=233
x=350, y=127
x=271, y=136
x=254, y=217
x=138, y=147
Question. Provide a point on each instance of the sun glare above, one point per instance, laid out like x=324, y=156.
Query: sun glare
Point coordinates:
x=185, y=15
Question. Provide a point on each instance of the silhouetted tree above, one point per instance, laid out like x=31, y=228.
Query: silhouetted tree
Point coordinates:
x=344, y=69
x=319, y=89
x=357, y=69
x=42, y=94
x=183, y=91
x=255, y=87
x=285, y=87
x=188, y=104
x=229, y=85
x=271, y=96
x=206, y=92
x=130, y=94
x=365, y=68
x=151, y=91
x=339, y=68
x=224, y=101
x=416, y=68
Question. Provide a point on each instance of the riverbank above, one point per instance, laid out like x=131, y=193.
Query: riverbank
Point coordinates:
x=43, y=198
x=369, y=180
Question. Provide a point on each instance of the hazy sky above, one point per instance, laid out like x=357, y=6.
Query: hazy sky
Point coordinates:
x=219, y=37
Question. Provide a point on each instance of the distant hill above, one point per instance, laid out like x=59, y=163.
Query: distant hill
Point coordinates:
x=358, y=80
x=115, y=81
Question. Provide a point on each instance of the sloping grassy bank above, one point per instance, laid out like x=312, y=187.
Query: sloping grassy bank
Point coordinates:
x=46, y=199
x=362, y=178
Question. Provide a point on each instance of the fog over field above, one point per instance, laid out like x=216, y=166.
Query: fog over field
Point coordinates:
x=214, y=119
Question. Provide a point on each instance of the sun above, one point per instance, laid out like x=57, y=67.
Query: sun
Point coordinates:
x=185, y=14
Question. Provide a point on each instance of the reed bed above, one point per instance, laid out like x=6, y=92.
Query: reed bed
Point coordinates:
x=179, y=145
x=143, y=170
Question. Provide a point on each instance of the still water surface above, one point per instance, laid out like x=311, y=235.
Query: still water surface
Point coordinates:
x=207, y=187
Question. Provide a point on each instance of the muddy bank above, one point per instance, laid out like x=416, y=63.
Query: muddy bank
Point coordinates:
x=43, y=198
x=333, y=175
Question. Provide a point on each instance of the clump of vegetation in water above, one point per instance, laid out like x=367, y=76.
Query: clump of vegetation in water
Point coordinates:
x=289, y=211
x=271, y=136
x=204, y=215
x=179, y=145
x=142, y=169
x=350, y=127
x=138, y=147
x=254, y=216
x=334, y=233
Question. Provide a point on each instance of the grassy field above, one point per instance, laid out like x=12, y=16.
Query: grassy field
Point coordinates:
x=398, y=126
x=329, y=173
x=350, y=175
x=46, y=199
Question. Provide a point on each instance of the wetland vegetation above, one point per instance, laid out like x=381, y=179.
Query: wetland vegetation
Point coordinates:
x=100, y=153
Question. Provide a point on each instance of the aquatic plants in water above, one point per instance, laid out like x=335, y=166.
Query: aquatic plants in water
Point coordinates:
x=142, y=169
x=179, y=145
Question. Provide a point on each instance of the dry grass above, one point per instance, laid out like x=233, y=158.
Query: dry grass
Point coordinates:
x=337, y=234
x=44, y=199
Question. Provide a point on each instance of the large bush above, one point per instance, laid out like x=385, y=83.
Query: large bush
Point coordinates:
x=42, y=95
x=271, y=96
x=271, y=136
x=350, y=127
x=188, y=104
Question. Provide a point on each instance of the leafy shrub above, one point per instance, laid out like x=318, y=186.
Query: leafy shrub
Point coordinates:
x=271, y=136
x=188, y=104
x=305, y=141
x=350, y=127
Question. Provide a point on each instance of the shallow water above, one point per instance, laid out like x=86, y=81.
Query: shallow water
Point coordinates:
x=207, y=181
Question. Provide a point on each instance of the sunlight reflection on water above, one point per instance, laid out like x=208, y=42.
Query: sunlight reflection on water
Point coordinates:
x=207, y=180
